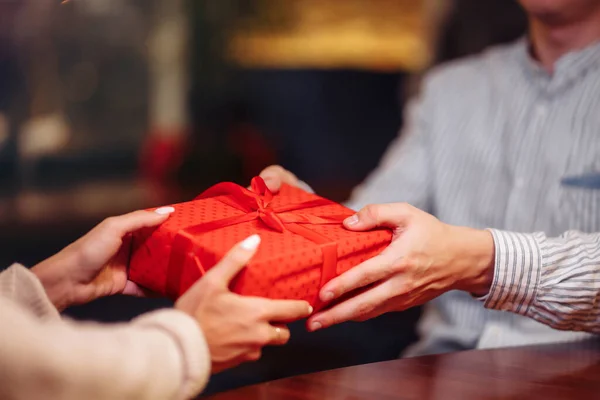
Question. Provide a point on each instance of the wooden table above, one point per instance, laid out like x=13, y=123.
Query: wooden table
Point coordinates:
x=564, y=371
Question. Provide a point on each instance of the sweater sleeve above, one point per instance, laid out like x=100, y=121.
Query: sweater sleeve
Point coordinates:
x=21, y=286
x=160, y=355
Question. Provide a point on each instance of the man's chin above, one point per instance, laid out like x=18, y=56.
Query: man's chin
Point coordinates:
x=551, y=19
x=558, y=12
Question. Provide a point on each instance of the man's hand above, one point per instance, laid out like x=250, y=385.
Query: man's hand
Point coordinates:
x=425, y=259
x=276, y=175
x=96, y=265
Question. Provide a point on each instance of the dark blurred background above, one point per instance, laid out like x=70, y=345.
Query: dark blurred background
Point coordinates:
x=107, y=106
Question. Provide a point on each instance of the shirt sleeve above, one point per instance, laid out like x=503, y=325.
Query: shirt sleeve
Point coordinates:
x=404, y=173
x=160, y=355
x=555, y=281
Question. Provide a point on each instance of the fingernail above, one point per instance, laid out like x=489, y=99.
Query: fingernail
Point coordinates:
x=310, y=310
x=315, y=326
x=327, y=296
x=251, y=243
x=164, y=210
x=353, y=220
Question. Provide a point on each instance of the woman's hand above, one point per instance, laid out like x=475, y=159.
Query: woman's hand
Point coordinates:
x=236, y=327
x=96, y=265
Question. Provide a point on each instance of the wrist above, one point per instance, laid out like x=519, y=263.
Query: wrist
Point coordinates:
x=476, y=251
x=55, y=282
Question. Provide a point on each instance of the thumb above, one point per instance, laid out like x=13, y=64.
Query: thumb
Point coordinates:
x=136, y=220
x=221, y=274
x=275, y=175
x=235, y=260
x=272, y=182
x=391, y=215
x=133, y=289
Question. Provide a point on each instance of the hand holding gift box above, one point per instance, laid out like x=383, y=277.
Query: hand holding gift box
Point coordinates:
x=304, y=244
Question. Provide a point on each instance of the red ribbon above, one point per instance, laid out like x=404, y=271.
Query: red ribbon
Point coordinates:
x=257, y=205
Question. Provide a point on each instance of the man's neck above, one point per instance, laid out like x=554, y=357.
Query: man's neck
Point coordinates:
x=551, y=41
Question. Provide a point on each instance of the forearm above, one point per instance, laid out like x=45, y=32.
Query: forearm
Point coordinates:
x=42, y=289
x=53, y=280
x=159, y=356
x=555, y=281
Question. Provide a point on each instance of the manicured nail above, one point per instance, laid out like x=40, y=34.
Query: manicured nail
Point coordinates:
x=310, y=310
x=315, y=326
x=353, y=220
x=327, y=296
x=251, y=243
x=164, y=210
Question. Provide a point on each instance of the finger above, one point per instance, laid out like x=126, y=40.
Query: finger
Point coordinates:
x=383, y=309
x=223, y=366
x=355, y=307
x=391, y=215
x=275, y=175
x=281, y=335
x=403, y=300
x=281, y=310
x=133, y=289
x=136, y=220
x=250, y=355
x=373, y=270
x=234, y=261
x=272, y=177
x=253, y=355
x=121, y=259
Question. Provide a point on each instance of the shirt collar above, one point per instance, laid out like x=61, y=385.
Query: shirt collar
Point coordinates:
x=568, y=68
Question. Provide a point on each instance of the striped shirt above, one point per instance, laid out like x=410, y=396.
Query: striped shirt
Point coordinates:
x=491, y=142
x=555, y=281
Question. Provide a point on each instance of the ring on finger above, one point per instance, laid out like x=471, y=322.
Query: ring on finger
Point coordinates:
x=277, y=334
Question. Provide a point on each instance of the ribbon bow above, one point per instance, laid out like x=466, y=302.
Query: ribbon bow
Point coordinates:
x=257, y=204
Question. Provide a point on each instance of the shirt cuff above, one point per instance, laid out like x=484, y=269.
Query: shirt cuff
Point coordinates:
x=190, y=340
x=517, y=269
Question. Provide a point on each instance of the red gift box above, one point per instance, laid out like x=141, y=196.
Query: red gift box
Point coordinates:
x=304, y=244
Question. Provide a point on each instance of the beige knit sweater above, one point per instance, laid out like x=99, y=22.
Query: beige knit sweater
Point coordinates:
x=160, y=355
